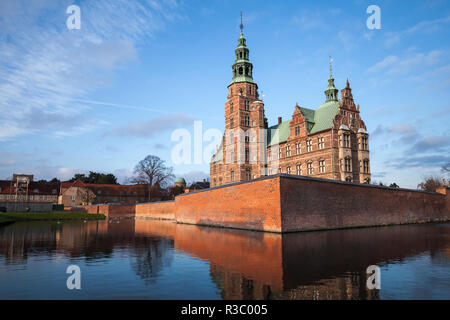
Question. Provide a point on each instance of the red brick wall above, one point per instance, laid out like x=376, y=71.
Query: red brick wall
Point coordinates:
x=253, y=205
x=156, y=210
x=309, y=204
x=111, y=210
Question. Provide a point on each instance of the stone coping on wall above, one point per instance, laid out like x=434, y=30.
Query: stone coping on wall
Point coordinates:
x=291, y=176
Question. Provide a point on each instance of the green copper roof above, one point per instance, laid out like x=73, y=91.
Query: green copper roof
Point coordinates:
x=318, y=120
x=278, y=133
x=242, y=67
x=218, y=156
x=180, y=180
x=324, y=115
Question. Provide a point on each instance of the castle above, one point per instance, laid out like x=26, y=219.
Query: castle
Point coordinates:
x=330, y=142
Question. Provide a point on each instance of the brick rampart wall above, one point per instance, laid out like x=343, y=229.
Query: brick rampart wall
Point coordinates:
x=313, y=204
x=252, y=205
x=156, y=210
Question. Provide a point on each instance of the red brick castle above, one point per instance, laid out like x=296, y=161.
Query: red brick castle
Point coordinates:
x=329, y=142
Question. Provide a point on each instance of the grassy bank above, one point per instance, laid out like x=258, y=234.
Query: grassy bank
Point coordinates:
x=33, y=216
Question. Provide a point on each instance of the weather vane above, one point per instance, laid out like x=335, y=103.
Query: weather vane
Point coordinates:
x=241, y=26
x=331, y=60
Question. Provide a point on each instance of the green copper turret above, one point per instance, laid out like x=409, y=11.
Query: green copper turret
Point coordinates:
x=331, y=93
x=242, y=67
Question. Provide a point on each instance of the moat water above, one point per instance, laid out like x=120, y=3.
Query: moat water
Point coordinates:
x=148, y=259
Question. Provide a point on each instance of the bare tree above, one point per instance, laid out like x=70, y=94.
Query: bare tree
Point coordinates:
x=153, y=171
x=430, y=183
x=446, y=167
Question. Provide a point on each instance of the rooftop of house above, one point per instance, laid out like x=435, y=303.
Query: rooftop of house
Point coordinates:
x=34, y=187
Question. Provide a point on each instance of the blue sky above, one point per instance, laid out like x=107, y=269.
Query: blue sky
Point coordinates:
x=103, y=97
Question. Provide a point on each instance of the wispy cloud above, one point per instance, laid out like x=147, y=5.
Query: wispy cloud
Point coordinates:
x=150, y=128
x=44, y=66
x=394, y=65
x=423, y=27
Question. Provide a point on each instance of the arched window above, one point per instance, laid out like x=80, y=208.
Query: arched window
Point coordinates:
x=240, y=70
x=348, y=179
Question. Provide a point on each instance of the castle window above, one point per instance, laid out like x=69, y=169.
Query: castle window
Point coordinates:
x=310, y=168
x=232, y=175
x=247, y=105
x=280, y=155
x=298, y=147
x=231, y=122
x=231, y=106
x=246, y=120
x=297, y=130
x=347, y=163
x=240, y=54
x=288, y=150
x=322, y=166
x=246, y=71
x=366, y=166
x=321, y=142
x=364, y=144
x=346, y=140
x=250, y=90
x=367, y=180
x=348, y=179
x=308, y=145
x=240, y=70
x=248, y=174
x=288, y=170
x=247, y=155
x=299, y=169
x=280, y=170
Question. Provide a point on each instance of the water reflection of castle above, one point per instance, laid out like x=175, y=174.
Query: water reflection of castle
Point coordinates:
x=243, y=264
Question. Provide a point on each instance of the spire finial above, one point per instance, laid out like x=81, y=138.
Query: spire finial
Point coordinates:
x=331, y=69
x=242, y=25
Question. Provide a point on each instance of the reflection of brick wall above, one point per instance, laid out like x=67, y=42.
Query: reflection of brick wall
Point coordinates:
x=254, y=205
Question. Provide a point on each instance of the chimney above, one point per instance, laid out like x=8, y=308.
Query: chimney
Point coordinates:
x=280, y=120
x=204, y=180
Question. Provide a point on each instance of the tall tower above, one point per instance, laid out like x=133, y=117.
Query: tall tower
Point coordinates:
x=244, y=144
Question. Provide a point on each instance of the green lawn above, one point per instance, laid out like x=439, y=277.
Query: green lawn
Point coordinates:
x=26, y=216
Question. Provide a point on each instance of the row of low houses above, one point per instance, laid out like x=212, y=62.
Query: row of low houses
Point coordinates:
x=23, y=188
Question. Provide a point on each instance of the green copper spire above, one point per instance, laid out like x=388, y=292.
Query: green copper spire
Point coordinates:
x=331, y=93
x=242, y=67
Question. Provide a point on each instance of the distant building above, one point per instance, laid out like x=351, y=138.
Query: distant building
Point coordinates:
x=198, y=186
x=80, y=193
x=22, y=188
x=180, y=182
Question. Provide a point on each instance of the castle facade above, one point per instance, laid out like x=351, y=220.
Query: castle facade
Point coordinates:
x=329, y=142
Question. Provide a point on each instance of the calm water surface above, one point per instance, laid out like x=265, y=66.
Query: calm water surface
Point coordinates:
x=146, y=259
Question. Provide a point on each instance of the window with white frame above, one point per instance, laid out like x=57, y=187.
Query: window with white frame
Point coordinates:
x=298, y=148
x=320, y=142
x=308, y=145
x=310, y=168
x=321, y=166
x=299, y=169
